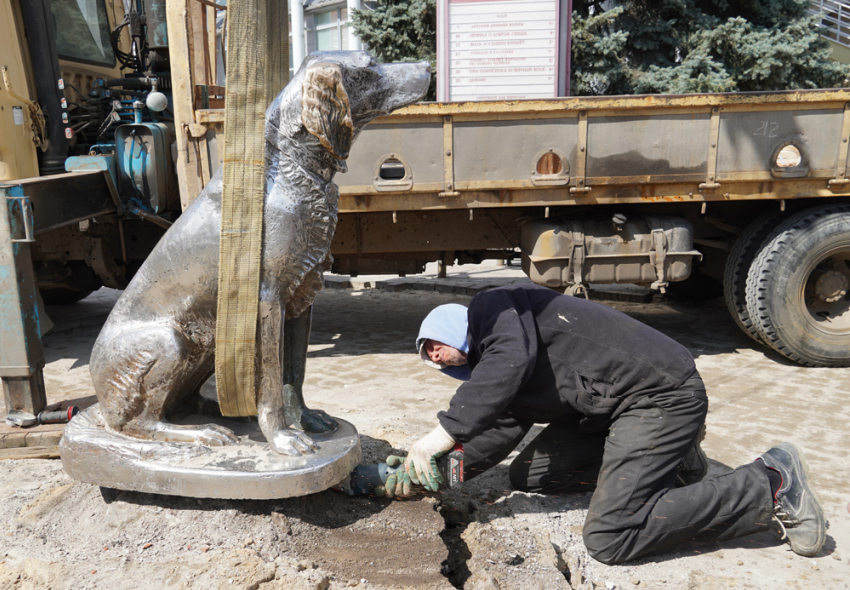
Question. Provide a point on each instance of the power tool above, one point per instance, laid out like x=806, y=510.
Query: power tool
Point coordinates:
x=365, y=478
x=24, y=419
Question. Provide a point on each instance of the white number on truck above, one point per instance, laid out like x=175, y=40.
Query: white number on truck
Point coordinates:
x=767, y=129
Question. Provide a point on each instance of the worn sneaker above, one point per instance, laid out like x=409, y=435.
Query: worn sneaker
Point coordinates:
x=797, y=510
x=694, y=465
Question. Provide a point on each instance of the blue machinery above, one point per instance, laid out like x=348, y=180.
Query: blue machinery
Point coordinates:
x=136, y=181
x=28, y=208
x=125, y=129
x=21, y=356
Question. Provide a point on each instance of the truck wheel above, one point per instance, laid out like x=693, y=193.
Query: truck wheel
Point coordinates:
x=798, y=287
x=746, y=248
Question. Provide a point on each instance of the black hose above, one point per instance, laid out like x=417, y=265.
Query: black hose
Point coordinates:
x=123, y=58
x=85, y=98
x=40, y=27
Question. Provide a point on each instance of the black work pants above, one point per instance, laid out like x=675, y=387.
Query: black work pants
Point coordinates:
x=635, y=508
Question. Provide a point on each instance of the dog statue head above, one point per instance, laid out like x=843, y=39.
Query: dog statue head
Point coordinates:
x=335, y=94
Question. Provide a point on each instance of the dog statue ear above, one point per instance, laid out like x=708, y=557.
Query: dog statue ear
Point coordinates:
x=325, y=110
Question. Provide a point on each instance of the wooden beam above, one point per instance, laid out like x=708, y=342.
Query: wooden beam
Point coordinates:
x=188, y=177
x=198, y=42
x=30, y=453
x=211, y=46
x=212, y=4
x=257, y=69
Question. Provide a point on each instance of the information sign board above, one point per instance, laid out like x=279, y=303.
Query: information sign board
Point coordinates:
x=502, y=49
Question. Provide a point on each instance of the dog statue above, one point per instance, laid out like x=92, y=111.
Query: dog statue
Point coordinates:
x=158, y=344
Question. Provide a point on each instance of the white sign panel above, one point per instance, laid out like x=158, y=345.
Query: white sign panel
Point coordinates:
x=499, y=49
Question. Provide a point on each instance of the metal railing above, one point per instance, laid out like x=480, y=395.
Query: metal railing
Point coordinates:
x=836, y=20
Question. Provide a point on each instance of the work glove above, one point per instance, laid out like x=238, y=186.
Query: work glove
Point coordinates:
x=421, y=462
x=398, y=484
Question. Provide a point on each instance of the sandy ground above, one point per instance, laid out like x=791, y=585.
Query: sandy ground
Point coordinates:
x=65, y=535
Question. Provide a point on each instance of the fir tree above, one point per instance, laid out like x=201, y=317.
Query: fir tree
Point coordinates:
x=598, y=62
x=401, y=31
x=650, y=46
x=681, y=46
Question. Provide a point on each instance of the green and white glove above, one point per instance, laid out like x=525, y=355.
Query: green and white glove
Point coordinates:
x=398, y=484
x=421, y=462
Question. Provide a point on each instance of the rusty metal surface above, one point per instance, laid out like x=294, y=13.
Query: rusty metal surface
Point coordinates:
x=505, y=150
x=424, y=232
x=433, y=111
x=560, y=252
x=796, y=98
x=421, y=146
x=21, y=352
x=658, y=146
x=69, y=243
x=52, y=206
x=747, y=140
x=765, y=188
x=93, y=454
x=664, y=147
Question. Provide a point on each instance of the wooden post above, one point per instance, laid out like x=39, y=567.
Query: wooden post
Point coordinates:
x=181, y=54
x=257, y=69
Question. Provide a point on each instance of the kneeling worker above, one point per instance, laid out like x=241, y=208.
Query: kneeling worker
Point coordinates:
x=624, y=406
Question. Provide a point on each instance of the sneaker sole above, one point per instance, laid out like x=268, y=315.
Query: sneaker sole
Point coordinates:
x=797, y=453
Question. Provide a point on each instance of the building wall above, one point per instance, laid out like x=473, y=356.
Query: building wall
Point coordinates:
x=836, y=23
x=840, y=53
x=326, y=25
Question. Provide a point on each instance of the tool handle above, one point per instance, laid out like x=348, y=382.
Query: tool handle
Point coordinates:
x=58, y=416
x=451, y=466
x=366, y=478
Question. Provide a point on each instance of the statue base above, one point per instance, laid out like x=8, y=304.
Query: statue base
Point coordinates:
x=249, y=470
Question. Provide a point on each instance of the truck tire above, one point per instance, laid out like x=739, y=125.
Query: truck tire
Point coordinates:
x=741, y=257
x=798, y=287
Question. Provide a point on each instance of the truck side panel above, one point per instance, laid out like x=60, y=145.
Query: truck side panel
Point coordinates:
x=659, y=148
x=624, y=149
x=503, y=151
x=749, y=139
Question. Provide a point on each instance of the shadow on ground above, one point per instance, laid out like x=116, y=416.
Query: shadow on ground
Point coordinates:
x=362, y=322
x=374, y=322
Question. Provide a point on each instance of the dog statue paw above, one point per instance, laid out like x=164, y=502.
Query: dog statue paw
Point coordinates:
x=288, y=441
x=314, y=421
x=210, y=435
x=213, y=435
x=303, y=418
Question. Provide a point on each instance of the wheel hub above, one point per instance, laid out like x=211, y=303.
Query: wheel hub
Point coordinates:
x=831, y=286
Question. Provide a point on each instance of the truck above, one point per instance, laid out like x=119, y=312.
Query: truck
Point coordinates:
x=111, y=120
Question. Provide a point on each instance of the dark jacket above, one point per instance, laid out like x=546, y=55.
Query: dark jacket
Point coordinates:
x=540, y=357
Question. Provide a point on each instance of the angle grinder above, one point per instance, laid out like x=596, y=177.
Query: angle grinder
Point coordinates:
x=24, y=419
x=365, y=478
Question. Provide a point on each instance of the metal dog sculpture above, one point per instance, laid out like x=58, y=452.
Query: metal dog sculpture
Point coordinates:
x=158, y=344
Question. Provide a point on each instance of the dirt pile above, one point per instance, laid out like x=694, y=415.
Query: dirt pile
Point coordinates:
x=64, y=534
